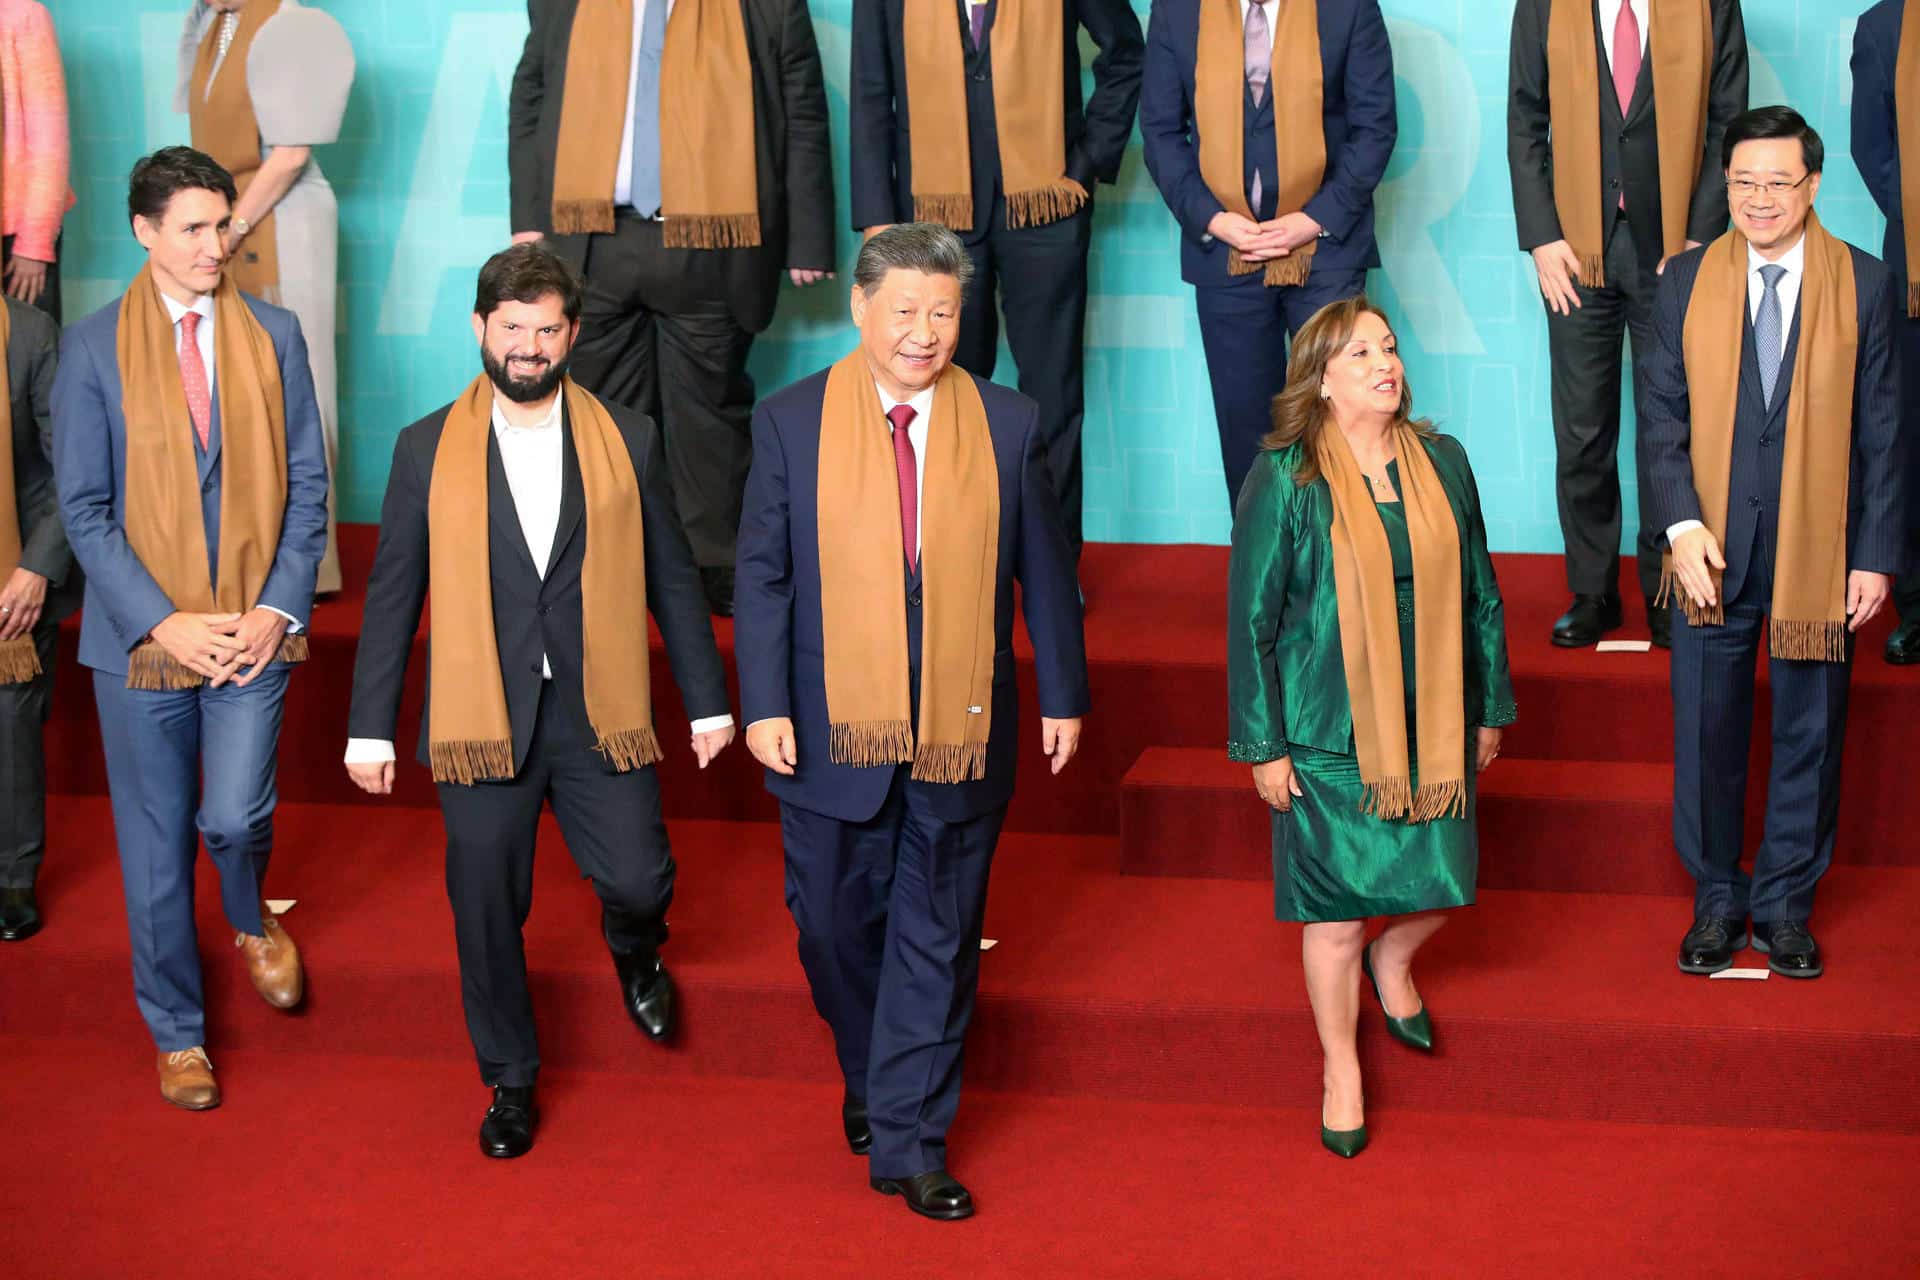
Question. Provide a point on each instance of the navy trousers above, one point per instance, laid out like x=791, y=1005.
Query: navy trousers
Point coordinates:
x=890, y=912
x=1712, y=675
x=183, y=766
x=1906, y=589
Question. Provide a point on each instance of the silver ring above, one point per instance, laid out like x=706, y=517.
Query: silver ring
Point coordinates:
x=6, y=608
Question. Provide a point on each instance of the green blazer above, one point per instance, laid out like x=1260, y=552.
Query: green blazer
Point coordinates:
x=1286, y=682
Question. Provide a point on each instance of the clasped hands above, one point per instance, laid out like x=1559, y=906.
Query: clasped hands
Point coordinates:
x=1279, y=785
x=1696, y=554
x=220, y=646
x=1263, y=241
x=773, y=744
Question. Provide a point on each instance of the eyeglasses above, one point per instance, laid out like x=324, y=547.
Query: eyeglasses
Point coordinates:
x=1744, y=187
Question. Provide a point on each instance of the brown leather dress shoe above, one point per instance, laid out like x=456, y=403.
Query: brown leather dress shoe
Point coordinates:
x=273, y=963
x=186, y=1080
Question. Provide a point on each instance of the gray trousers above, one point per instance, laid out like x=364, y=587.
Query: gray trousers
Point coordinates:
x=23, y=768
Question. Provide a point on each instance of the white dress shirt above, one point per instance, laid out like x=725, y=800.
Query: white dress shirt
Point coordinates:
x=534, y=460
x=1795, y=262
x=1610, y=14
x=623, y=172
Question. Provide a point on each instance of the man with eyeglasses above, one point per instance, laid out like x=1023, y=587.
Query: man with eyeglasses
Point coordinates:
x=1771, y=422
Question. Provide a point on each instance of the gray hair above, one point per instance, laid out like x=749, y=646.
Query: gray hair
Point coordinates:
x=926, y=247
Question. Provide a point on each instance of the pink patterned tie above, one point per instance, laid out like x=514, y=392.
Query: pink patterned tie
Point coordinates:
x=901, y=415
x=1258, y=39
x=1626, y=61
x=193, y=376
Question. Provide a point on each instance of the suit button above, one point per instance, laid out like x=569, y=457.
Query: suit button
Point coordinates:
x=1753, y=502
x=913, y=598
x=1624, y=135
x=1766, y=440
x=1614, y=183
x=534, y=667
x=206, y=486
x=980, y=76
x=546, y=609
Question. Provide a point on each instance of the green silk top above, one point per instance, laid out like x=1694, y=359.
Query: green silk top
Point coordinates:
x=1286, y=680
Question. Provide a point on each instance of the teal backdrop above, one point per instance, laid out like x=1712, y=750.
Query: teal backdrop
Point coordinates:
x=421, y=175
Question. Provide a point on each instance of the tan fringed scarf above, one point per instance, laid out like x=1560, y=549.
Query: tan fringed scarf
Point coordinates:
x=1370, y=633
x=19, y=659
x=1027, y=53
x=164, y=524
x=470, y=738
x=863, y=579
x=1906, y=102
x=1808, y=614
x=709, y=189
x=1680, y=44
x=1219, y=94
x=225, y=128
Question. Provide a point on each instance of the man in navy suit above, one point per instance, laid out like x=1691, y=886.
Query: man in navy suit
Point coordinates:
x=1876, y=151
x=1772, y=160
x=1245, y=325
x=886, y=873
x=200, y=752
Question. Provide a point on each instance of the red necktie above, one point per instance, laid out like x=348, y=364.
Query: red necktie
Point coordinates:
x=193, y=376
x=900, y=416
x=1626, y=61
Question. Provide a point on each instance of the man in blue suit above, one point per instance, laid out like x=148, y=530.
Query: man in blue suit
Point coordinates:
x=182, y=389
x=858, y=617
x=1877, y=141
x=1773, y=418
x=1241, y=239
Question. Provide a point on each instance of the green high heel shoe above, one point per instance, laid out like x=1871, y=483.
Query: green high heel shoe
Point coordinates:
x=1415, y=1032
x=1345, y=1143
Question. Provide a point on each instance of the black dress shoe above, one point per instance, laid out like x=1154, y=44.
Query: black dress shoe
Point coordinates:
x=1903, y=646
x=853, y=1122
x=1790, y=950
x=1660, y=624
x=1710, y=944
x=1586, y=621
x=506, y=1131
x=718, y=582
x=931, y=1195
x=646, y=989
x=19, y=915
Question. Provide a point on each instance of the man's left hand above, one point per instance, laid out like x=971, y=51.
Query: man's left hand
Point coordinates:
x=21, y=601
x=1290, y=231
x=259, y=631
x=1060, y=739
x=804, y=276
x=1866, y=596
x=708, y=746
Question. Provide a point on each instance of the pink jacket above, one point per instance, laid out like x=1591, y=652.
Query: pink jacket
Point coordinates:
x=36, y=195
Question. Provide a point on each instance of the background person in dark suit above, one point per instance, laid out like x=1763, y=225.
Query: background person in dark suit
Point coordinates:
x=692, y=171
x=998, y=82
x=39, y=586
x=1886, y=47
x=1275, y=207
x=1773, y=418
x=1602, y=201
x=541, y=522
x=875, y=647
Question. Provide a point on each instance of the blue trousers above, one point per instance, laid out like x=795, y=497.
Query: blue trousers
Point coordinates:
x=890, y=912
x=182, y=766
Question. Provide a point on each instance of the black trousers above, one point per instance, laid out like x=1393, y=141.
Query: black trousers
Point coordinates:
x=1585, y=355
x=50, y=297
x=1041, y=275
x=656, y=335
x=613, y=829
x=1906, y=589
x=23, y=767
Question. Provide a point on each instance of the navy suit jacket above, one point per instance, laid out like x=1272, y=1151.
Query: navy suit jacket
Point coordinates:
x=1876, y=137
x=1357, y=117
x=1875, y=487
x=778, y=613
x=123, y=602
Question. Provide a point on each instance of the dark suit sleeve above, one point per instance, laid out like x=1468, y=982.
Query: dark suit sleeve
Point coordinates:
x=763, y=582
x=1666, y=421
x=303, y=529
x=43, y=548
x=1486, y=621
x=1879, y=449
x=1529, y=153
x=1049, y=588
x=1116, y=90
x=870, y=121
x=523, y=123
x=1356, y=165
x=1166, y=126
x=809, y=150
x=674, y=594
x=1726, y=98
x=1876, y=141
x=396, y=590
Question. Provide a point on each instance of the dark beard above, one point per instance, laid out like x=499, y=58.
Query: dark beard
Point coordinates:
x=523, y=390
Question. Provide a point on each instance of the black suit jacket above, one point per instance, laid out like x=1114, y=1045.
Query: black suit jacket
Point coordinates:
x=881, y=179
x=1629, y=141
x=1876, y=497
x=532, y=615
x=33, y=353
x=1876, y=133
x=792, y=155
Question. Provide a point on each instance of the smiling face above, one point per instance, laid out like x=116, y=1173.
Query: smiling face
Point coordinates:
x=1771, y=221
x=185, y=245
x=909, y=326
x=1365, y=377
x=525, y=345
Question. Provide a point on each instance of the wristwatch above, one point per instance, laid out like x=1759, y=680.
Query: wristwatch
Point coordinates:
x=241, y=228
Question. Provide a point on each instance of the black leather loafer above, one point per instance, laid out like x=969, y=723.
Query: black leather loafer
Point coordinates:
x=1903, y=646
x=1660, y=624
x=931, y=1195
x=506, y=1131
x=1710, y=944
x=1589, y=618
x=19, y=915
x=646, y=991
x=853, y=1122
x=1790, y=950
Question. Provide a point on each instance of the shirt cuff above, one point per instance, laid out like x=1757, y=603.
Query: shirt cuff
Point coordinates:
x=369, y=751
x=294, y=628
x=707, y=724
x=1679, y=527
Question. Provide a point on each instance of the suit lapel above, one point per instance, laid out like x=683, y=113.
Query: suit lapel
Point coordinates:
x=211, y=456
x=503, y=515
x=573, y=502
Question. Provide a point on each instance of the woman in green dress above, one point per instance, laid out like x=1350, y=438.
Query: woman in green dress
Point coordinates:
x=1367, y=677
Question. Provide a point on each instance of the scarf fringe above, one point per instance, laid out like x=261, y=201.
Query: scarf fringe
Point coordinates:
x=952, y=211
x=870, y=742
x=1593, y=270
x=711, y=231
x=293, y=648
x=1664, y=596
x=1279, y=273
x=1821, y=641
x=152, y=668
x=1387, y=797
x=1439, y=800
x=1712, y=615
x=19, y=660
x=1913, y=299
x=466, y=763
x=950, y=762
x=1050, y=203
x=578, y=217
x=630, y=749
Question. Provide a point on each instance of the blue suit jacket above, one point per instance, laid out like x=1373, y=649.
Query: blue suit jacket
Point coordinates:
x=1876, y=139
x=1876, y=495
x=777, y=607
x=123, y=602
x=1357, y=116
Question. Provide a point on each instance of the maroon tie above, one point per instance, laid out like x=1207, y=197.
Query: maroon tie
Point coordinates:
x=901, y=415
x=1626, y=61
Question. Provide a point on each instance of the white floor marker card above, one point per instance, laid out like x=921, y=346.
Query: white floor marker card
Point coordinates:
x=988, y=944
x=1741, y=973
x=280, y=906
x=1623, y=646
